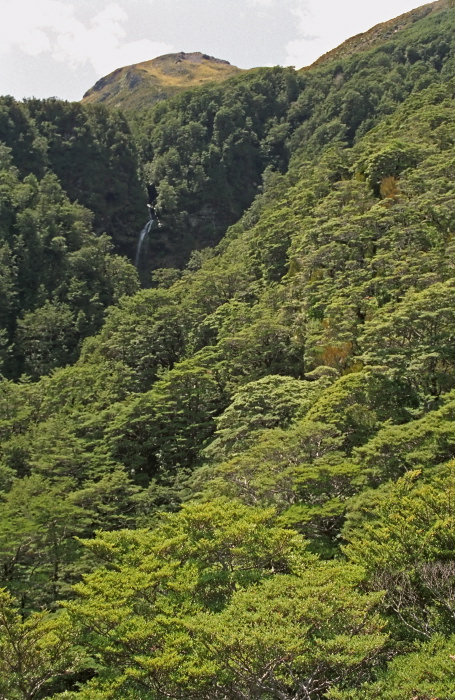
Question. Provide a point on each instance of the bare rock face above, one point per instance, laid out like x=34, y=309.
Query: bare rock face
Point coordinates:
x=198, y=57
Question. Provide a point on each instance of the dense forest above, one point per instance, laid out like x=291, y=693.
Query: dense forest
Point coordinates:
x=228, y=472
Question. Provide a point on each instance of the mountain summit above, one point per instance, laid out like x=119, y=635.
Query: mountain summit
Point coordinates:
x=144, y=84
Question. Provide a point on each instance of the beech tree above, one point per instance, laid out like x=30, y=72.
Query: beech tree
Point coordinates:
x=220, y=601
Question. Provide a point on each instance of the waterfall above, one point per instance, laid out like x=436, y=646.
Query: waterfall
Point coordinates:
x=146, y=230
x=153, y=219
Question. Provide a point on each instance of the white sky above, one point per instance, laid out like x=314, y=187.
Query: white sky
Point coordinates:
x=61, y=47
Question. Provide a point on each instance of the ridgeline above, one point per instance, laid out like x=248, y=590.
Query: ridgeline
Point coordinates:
x=143, y=84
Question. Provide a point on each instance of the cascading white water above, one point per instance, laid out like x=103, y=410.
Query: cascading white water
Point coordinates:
x=153, y=219
x=146, y=230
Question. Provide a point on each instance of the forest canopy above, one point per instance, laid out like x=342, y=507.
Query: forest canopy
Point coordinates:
x=233, y=478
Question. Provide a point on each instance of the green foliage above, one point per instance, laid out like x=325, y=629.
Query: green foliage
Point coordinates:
x=218, y=570
x=163, y=430
x=299, y=375
x=57, y=277
x=47, y=338
x=37, y=529
x=357, y=404
x=403, y=523
x=204, y=151
x=421, y=444
x=145, y=332
x=34, y=653
x=273, y=401
x=413, y=336
x=297, y=625
x=302, y=472
x=404, y=536
x=92, y=152
x=425, y=674
x=19, y=134
x=39, y=555
x=389, y=162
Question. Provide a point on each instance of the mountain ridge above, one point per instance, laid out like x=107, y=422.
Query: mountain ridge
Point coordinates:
x=145, y=83
x=380, y=32
x=141, y=85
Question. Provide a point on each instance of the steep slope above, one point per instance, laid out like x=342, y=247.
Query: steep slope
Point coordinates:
x=249, y=472
x=143, y=84
x=91, y=151
x=205, y=155
x=382, y=32
x=299, y=374
x=68, y=177
x=205, y=152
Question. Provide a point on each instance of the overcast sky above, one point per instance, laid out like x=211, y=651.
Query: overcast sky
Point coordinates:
x=61, y=47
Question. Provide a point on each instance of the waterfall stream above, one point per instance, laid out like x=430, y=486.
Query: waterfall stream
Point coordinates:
x=146, y=230
x=153, y=219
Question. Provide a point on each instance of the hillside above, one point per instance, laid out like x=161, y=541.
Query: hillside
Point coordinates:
x=143, y=84
x=205, y=152
x=383, y=32
x=238, y=483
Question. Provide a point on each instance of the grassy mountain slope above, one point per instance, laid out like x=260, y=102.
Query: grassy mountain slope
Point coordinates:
x=143, y=84
x=382, y=32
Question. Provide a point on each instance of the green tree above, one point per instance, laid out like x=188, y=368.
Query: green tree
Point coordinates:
x=33, y=653
x=219, y=600
x=163, y=431
x=273, y=401
x=404, y=536
x=302, y=472
x=47, y=338
x=413, y=338
x=426, y=673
